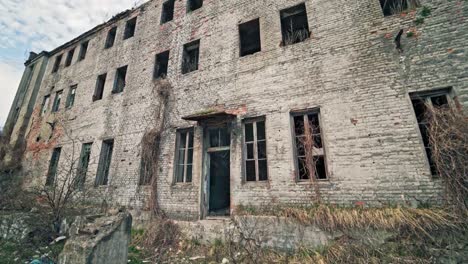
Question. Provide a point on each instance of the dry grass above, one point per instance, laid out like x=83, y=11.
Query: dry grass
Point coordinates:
x=330, y=218
x=448, y=137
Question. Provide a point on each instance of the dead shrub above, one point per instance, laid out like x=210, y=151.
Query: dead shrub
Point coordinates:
x=448, y=138
x=162, y=237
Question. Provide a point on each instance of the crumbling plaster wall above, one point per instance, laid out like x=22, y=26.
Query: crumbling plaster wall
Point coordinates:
x=349, y=68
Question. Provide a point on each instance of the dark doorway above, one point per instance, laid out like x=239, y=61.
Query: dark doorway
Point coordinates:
x=219, y=183
x=218, y=154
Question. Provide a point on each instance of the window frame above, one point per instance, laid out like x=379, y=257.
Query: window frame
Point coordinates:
x=81, y=174
x=188, y=132
x=58, y=61
x=409, y=6
x=98, y=88
x=105, y=161
x=71, y=96
x=164, y=12
x=69, y=59
x=254, y=121
x=45, y=104
x=130, y=28
x=426, y=96
x=83, y=50
x=156, y=70
x=53, y=166
x=305, y=113
x=189, y=6
x=283, y=26
x=187, y=48
x=243, y=53
x=57, y=101
x=120, y=71
x=111, y=37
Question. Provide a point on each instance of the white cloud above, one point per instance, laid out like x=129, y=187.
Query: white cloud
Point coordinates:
x=9, y=80
x=44, y=25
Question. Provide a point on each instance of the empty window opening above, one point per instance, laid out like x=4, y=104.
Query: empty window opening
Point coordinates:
x=45, y=105
x=71, y=96
x=57, y=62
x=309, y=150
x=421, y=102
x=102, y=176
x=167, y=13
x=57, y=101
x=190, y=57
x=255, y=157
x=130, y=27
x=83, y=50
x=392, y=7
x=294, y=24
x=193, y=5
x=69, y=59
x=100, y=83
x=120, y=80
x=184, y=156
x=83, y=165
x=249, y=37
x=53, y=167
x=161, y=65
x=111, y=37
x=145, y=173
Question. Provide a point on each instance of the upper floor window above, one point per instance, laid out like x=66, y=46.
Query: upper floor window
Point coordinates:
x=392, y=7
x=53, y=167
x=99, y=90
x=45, y=105
x=57, y=62
x=120, y=80
x=249, y=34
x=111, y=37
x=71, y=96
x=190, y=57
x=309, y=149
x=69, y=59
x=130, y=27
x=421, y=102
x=102, y=176
x=294, y=24
x=161, y=64
x=167, y=12
x=83, y=50
x=57, y=101
x=193, y=5
x=184, y=156
x=255, y=155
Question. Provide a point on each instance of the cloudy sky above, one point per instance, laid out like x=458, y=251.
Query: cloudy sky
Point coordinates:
x=36, y=25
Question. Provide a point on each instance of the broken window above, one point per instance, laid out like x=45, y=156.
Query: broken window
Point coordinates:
x=167, y=13
x=145, y=173
x=83, y=164
x=184, y=156
x=53, y=167
x=190, y=57
x=83, y=50
x=392, y=7
x=309, y=150
x=99, y=90
x=71, y=96
x=58, y=60
x=130, y=27
x=421, y=102
x=119, y=82
x=249, y=37
x=69, y=59
x=193, y=5
x=57, y=101
x=255, y=157
x=45, y=105
x=161, y=64
x=111, y=37
x=102, y=176
x=294, y=24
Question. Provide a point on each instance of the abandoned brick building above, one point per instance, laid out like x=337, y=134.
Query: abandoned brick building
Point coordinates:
x=244, y=80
